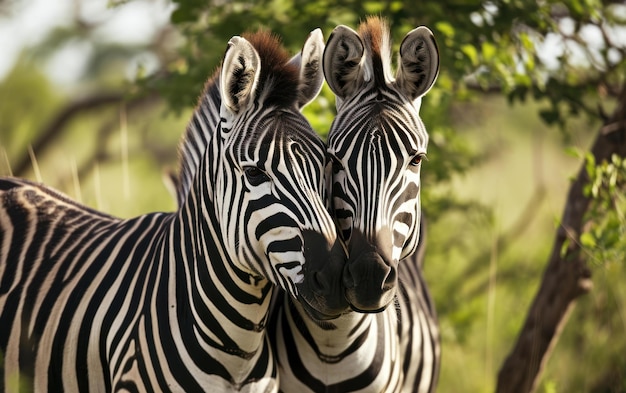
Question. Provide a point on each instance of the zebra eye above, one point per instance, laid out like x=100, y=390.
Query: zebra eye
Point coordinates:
x=417, y=159
x=255, y=175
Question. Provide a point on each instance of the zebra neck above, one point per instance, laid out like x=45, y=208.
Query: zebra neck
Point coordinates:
x=353, y=350
x=220, y=313
x=334, y=340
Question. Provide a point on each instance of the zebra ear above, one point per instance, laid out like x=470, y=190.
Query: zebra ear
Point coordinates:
x=239, y=75
x=418, y=65
x=343, y=62
x=308, y=61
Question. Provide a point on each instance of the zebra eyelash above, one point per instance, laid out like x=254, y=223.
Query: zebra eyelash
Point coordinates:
x=417, y=158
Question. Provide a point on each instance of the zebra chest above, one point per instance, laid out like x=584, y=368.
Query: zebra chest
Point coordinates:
x=153, y=356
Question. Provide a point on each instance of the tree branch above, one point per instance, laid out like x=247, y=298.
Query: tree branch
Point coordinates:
x=101, y=154
x=566, y=277
x=56, y=126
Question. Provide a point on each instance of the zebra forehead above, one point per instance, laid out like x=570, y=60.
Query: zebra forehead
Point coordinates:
x=287, y=136
x=382, y=121
x=283, y=125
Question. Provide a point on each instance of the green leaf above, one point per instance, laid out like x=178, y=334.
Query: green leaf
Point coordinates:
x=588, y=240
x=527, y=42
x=489, y=51
x=550, y=116
x=573, y=151
x=522, y=80
x=590, y=165
x=445, y=28
x=471, y=52
x=182, y=15
x=373, y=7
x=615, y=159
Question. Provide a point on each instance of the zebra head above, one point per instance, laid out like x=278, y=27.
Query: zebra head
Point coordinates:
x=269, y=171
x=377, y=143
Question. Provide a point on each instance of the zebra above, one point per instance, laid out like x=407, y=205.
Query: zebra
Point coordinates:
x=177, y=301
x=389, y=341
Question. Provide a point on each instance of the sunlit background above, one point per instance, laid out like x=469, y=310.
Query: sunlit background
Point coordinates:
x=29, y=24
x=95, y=95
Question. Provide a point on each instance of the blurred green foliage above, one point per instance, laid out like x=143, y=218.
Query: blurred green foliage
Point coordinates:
x=110, y=158
x=565, y=52
x=493, y=186
x=605, y=238
x=486, y=256
x=18, y=126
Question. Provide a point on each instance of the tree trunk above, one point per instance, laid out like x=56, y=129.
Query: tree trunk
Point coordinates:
x=567, y=275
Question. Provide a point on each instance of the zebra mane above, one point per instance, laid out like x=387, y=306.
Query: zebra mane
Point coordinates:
x=205, y=118
x=278, y=81
x=375, y=34
x=277, y=86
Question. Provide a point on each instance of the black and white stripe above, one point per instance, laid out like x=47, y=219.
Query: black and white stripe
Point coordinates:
x=389, y=341
x=396, y=350
x=173, y=301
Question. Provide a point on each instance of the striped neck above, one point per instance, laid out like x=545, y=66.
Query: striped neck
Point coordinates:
x=217, y=311
x=348, y=353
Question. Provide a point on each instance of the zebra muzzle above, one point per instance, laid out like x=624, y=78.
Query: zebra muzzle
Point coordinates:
x=370, y=275
x=322, y=292
x=370, y=283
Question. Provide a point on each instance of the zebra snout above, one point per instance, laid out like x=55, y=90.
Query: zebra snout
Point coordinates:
x=322, y=289
x=370, y=282
x=370, y=275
